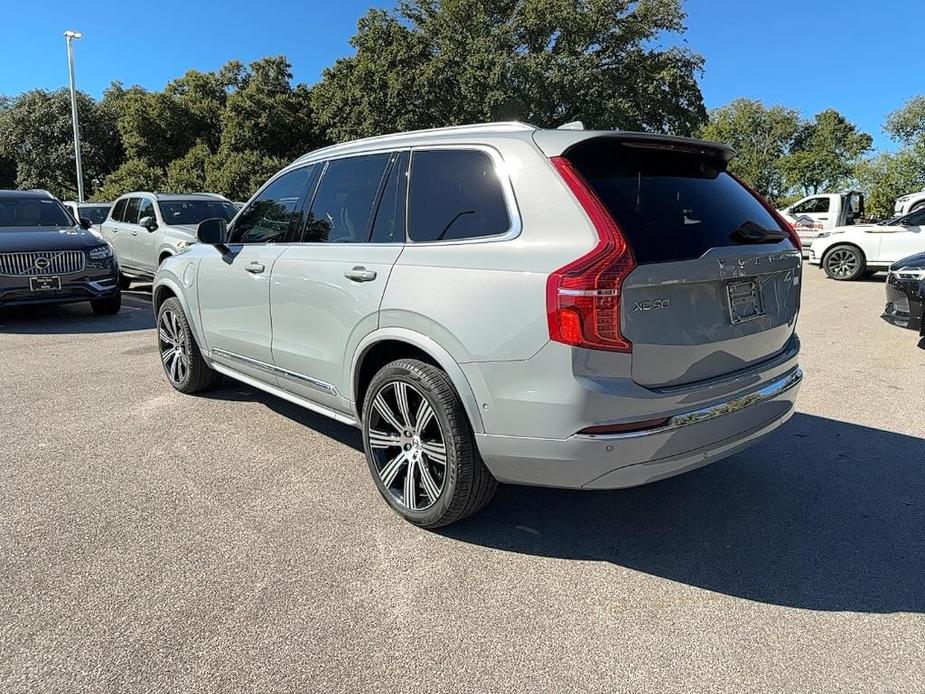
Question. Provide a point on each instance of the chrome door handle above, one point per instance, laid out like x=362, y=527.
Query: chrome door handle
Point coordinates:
x=255, y=268
x=360, y=274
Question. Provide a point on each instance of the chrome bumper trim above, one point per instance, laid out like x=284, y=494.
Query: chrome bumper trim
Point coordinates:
x=769, y=392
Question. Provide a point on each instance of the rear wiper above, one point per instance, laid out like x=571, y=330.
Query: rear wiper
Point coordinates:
x=755, y=233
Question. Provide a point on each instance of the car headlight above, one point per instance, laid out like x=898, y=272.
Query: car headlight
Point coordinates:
x=909, y=273
x=100, y=253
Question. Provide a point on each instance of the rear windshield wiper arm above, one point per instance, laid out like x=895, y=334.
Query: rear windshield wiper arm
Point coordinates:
x=755, y=233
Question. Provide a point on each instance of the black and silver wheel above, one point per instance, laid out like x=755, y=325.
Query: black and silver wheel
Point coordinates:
x=420, y=447
x=844, y=263
x=183, y=364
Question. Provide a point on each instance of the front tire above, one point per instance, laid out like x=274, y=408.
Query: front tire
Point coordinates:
x=183, y=364
x=109, y=306
x=844, y=263
x=420, y=447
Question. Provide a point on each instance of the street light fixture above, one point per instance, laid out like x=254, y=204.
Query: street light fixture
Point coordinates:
x=70, y=36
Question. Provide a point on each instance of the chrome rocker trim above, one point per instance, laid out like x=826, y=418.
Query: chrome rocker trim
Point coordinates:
x=279, y=371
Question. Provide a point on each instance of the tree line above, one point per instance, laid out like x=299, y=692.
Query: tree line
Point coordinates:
x=431, y=63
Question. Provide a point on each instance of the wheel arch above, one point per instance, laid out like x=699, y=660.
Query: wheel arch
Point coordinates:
x=166, y=288
x=385, y=345
x=839, y=244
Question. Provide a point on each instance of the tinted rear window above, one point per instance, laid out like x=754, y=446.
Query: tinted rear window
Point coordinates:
x=672, y=205
x=455, y=194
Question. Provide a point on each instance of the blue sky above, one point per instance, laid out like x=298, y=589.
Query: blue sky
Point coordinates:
x=863, y=58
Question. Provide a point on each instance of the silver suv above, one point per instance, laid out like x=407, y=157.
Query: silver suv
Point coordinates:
x=501, y=303
x=145, y=228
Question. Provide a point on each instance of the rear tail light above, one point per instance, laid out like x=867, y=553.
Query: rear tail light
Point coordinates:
x=778, y=217
x=583, y=298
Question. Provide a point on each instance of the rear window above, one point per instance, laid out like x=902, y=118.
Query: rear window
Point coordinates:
x=672, y=205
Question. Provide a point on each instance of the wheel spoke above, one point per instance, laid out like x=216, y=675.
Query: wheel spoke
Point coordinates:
x=424, y=415
x=410, y=493
x=435, y=451
x=427, y=482
x=381, y=439
x=401, y=399
x=175, y=367
x=390, y=471
x=165, y=336
x=386, y=413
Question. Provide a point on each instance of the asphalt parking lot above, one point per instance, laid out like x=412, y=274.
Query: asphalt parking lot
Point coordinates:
x=153, y=542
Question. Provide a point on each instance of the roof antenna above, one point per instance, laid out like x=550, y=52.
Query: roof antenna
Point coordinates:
x=572, y=125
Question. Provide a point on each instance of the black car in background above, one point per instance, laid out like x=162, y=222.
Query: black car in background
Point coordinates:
x=46, y=258
x=905, y=295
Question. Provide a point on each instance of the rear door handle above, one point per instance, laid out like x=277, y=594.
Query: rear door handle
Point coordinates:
x=360, y=274
x=255, y=267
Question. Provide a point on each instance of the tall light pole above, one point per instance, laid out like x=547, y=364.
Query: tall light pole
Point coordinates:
x=70, y=36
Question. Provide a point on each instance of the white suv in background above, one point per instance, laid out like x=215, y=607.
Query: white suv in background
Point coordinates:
x=145, y=228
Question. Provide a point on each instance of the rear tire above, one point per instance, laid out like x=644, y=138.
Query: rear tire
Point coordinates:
x=414, y=424
x=183, y=364
x=108, y=306
x=844, y=263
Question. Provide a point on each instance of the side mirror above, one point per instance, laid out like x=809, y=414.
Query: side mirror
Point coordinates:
x=213, y=232
x=85, y=223
x=149, y=223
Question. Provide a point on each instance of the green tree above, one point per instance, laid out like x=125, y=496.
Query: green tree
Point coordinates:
x=237, y=174
x=445, y=62
x=907, y=124
x=37, y=135
x=134, y=174
x=188, y=173
x=266, y=113
x=7, y=162
x=761, y=137
x=824, y=153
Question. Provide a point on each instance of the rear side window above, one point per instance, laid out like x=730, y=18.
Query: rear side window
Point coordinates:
x=343, y=206
x=271, y=216
x=131, y=211
x=455, y=194
x=672, y=205
x=389, y=226
x=119, y=212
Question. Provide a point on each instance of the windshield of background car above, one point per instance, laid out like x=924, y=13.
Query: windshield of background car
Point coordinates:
x=33, y=212
x=195, y=211
x=95, y=213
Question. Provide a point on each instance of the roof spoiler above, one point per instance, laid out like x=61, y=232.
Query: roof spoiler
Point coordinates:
x=557, y=142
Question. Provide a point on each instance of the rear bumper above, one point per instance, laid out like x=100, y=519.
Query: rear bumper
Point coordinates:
x=691, y=439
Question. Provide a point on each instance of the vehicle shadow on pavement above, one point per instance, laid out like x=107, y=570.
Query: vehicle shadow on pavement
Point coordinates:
x=824, y=515
x=232, y=391
x=78, y=319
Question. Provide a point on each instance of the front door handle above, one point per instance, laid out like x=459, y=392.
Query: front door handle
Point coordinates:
x=255, y=267
x=360, y=274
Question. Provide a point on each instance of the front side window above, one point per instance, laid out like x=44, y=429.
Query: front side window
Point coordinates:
x=131, y=211
x=343, y=206
x=145, y=209
x=455, y=194
x=272, y=215
x=812, y=206
x=194, y=211
x=33, y=212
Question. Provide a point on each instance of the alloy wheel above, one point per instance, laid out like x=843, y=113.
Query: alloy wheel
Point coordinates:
x=407, y=445
x=843, y=263
x=174, y=347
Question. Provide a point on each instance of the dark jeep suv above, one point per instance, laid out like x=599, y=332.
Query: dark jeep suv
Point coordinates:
x=45, y=258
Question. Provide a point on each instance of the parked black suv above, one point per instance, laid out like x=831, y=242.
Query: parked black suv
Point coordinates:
x=45, y=258
x=905, y=295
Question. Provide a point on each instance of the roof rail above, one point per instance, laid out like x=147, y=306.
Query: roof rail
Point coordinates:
x=499, y=126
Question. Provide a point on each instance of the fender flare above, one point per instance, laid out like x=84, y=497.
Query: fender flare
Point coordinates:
x=174, y=286
x=427, y=345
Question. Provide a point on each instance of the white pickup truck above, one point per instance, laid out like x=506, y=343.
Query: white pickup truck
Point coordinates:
x=816, y=213
x=909, y=203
